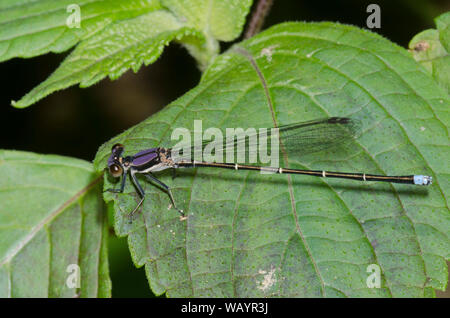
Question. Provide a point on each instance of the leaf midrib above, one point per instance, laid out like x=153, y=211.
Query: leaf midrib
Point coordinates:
x=263, y=82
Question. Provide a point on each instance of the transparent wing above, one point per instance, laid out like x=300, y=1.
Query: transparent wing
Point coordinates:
x=295, y=139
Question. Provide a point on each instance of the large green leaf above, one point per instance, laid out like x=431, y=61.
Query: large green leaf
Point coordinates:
x=51, y=218
x=431, y=48
x=249, y=234
x=32, y=27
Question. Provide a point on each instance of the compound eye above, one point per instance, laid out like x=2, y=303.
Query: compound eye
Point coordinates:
x=115, y=170
x=117, y=147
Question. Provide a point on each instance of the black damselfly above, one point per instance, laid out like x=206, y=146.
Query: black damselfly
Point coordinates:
x=304, y=137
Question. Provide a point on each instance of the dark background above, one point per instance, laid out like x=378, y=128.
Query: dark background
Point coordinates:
x=75, y=122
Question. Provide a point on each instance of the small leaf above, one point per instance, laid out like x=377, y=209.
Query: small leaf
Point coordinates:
x=52, y=227
x=34, y=27
x=115, y=35
x=113, y=51
x=431, y=48
x=221, y=20
x=253, y=235
x=216, y=19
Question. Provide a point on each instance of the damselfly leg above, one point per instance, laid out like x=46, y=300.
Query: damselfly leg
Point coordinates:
x=150, y=177
x=122, y=185
x=141, y=191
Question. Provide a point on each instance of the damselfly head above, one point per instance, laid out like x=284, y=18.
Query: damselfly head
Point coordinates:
x=115, y=161
x=115, y=170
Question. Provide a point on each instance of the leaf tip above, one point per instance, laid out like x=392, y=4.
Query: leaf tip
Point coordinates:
x=19, y=104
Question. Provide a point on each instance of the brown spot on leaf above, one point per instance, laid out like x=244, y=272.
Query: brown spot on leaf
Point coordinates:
x=421, y=46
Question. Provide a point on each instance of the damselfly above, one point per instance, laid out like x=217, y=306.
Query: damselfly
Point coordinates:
x=304, y=137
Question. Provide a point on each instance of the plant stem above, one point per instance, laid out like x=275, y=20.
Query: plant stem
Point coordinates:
x=258, y=17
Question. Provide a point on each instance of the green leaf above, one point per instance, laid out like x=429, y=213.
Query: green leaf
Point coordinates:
x=253, y=235
x=114, y=36
x=221, y=20
x=52, y=219
x=216, y=19
x=113, y=51
x=34, y=27
x=431, y=48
